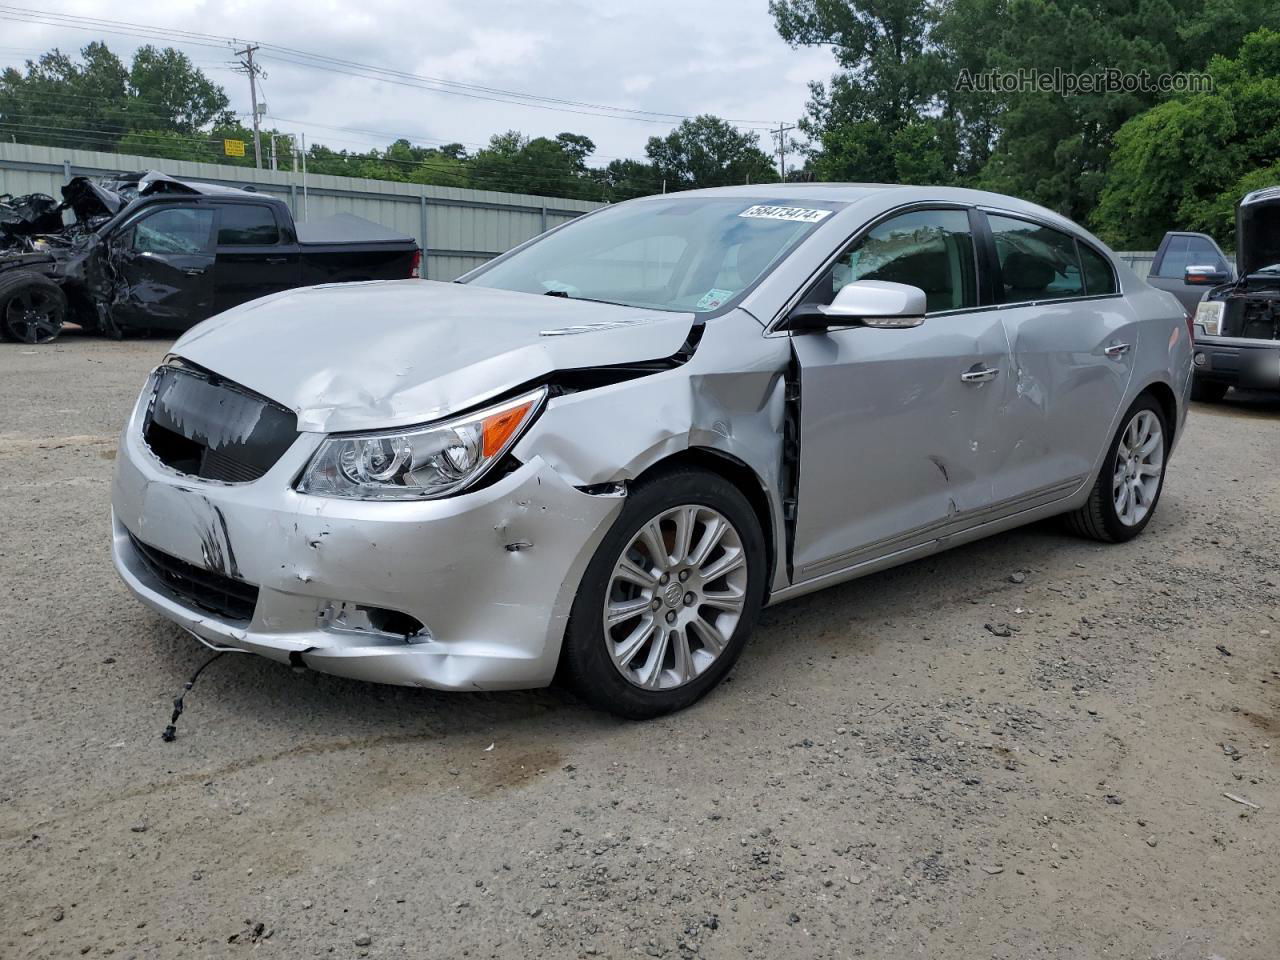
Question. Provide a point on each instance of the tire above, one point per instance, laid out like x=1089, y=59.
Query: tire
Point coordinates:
x=1207, y=391
x=1101, y=518
x=32, y=307
x=636, y=675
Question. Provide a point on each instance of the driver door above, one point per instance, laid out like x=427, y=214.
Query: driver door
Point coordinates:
x=164, y=269
x=899, y=428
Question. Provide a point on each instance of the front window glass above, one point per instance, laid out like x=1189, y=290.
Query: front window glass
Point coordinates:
x=929, y=249
x=688, y=254
x=176, y=230
x=1183, y=252
x=1036, y=262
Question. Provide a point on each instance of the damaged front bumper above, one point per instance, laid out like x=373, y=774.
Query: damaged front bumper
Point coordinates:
x=489, y=575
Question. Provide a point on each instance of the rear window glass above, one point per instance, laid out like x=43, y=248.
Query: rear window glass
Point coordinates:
x=1036, y=262
x=246, y=225
x=1099, y=278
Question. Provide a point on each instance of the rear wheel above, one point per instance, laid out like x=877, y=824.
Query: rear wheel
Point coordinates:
x=1206, y=391
x=670, y=597
x=1128, y=488
x=32, y=307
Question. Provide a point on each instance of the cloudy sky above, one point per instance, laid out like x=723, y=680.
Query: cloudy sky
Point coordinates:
x=666, y=56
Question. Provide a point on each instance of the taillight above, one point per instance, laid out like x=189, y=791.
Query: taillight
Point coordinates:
x=415, y=269
x=1191, y=323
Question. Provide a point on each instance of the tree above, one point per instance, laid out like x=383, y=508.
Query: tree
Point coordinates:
x=892, y=78
x=170, y=93
x=61, y=102
x=93, y=103
x=1188, y=161
x=708, y=152
x=543, y=165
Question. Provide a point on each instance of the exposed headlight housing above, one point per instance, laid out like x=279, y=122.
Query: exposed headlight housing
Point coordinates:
x=419, y=463
x=1209, y=316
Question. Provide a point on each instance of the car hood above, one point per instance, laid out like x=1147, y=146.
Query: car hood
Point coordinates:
x=366, y=356
x=1258, y=231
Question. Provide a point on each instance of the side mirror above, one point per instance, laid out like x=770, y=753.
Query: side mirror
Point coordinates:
x=1205, y=276
x=863, y=303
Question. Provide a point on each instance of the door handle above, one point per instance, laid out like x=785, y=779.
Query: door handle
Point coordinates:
x=1117, y=350
x=277, y=259
x=980, y=375
x=195, y=272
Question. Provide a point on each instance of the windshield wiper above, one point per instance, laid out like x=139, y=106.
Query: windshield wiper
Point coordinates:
x=557, y=293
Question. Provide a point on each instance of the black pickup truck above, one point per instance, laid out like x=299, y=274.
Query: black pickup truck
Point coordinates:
x=1237, y=324
x=147, y=252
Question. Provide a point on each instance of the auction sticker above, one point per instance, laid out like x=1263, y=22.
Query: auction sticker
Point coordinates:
x=762, y=211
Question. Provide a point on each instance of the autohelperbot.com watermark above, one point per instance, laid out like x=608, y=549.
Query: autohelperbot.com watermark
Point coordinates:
x=1066, y=83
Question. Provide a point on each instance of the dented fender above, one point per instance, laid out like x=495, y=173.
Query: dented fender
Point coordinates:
x=729, y=398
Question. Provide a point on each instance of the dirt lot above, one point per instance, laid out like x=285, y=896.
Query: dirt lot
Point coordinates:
x=882, y=777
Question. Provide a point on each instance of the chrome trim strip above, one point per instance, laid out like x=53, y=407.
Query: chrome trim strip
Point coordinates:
x=907, y=540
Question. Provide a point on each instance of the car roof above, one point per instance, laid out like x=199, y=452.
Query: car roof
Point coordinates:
x=874, y=198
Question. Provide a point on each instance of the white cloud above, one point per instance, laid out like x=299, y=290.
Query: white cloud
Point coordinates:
x=669, y=56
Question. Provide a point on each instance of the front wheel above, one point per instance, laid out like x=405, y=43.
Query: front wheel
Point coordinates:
x=670, y=597
x=32, y=307
x=1128, y=488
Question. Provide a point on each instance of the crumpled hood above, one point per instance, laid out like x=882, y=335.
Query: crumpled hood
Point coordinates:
x=365, y=356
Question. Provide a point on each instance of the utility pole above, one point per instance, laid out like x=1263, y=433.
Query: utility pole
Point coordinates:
x=781, y=134
x=252, y=69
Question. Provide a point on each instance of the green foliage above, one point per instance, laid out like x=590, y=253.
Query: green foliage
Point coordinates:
x=894, y=112
x=708, y=152
x=1187, y=161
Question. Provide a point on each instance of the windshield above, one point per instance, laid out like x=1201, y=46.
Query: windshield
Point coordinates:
x=692, y=254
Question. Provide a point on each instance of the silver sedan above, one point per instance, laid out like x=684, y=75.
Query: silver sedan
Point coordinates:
x=599, y=455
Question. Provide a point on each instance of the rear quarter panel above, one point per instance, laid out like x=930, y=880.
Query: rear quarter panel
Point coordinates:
x=1164, y=343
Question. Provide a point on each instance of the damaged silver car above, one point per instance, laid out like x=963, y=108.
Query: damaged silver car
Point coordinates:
x=599, y=455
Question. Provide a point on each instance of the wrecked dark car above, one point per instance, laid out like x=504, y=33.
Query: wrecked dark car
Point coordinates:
x=1237, y=325
x=147, y=252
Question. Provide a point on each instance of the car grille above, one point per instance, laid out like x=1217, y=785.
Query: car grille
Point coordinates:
x=207, y=427
x=218, y=594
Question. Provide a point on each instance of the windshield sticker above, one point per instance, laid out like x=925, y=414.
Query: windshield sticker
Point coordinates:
x=713, y=298
x=762, y=211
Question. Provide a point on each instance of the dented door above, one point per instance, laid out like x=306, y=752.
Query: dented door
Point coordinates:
x=163, y=266
x=1072, y=365
x=895, y=442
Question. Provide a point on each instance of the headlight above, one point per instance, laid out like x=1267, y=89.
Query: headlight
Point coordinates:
x=419, y=463
x=1209, y=316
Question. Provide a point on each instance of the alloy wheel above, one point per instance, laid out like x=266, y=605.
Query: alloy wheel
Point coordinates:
x=675, y=597
x=32, y=316
x=1139, y=467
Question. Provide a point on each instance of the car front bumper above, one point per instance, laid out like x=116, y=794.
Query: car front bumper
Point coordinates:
x=491, y=574
x=1237, y=362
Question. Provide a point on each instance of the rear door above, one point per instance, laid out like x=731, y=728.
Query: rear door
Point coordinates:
x=900, y=428
x=163, y=265
x=1179, y=251
x=1074, y=339
x=256, y=255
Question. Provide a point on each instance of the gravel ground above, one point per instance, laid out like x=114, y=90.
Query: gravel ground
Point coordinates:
x=884, y=776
